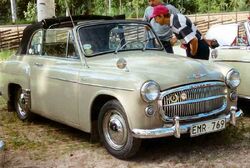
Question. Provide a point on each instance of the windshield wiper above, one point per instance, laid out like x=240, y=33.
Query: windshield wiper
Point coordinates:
x=121, y=47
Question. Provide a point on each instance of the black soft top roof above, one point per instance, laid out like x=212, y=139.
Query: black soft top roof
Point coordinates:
x=55, y=23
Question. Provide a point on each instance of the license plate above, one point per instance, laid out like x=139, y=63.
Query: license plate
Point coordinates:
x=207, y=127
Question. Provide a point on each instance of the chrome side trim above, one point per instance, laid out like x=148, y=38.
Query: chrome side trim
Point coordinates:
x=64, y=80
x=231, y=61
x=88, y=84
x=73, y=60
x=181, y=129
x=108, y=87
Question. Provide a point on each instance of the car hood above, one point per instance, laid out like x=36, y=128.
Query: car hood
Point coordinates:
x=166, y=69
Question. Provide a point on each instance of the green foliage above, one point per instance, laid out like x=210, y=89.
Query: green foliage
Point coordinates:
x=76, y=7
x=22, y=6
x=100, y=7
x=5, y=54
x=30, y=14
x=4, y=11
x=132, y=8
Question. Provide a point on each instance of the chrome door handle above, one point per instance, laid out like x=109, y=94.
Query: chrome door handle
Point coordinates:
x=38, y=64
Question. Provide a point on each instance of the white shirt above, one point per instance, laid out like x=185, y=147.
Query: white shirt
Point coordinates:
x=183, y=28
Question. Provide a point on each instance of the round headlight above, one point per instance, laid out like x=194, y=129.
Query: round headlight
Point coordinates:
x=150, y=91
x=233, y=79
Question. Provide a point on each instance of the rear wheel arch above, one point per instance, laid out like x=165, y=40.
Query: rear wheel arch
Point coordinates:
x=12, y=90
x=19, y=101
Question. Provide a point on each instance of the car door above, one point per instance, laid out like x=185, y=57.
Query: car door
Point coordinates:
x=54, y=76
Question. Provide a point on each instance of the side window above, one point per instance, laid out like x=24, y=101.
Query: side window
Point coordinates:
x=35, y=47
x=58, y=43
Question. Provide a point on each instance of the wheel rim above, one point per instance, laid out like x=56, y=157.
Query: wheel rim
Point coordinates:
x=21, y=103
x=114, y=129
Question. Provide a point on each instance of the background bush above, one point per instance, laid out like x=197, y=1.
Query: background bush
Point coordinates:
x=26, y=9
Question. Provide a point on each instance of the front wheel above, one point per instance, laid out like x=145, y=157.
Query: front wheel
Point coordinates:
x=114, y=131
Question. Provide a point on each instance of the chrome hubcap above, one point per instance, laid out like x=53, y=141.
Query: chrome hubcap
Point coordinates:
x=22, y=105
x=114, y=129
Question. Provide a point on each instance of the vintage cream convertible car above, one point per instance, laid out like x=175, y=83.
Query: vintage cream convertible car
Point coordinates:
x=234, y=50
x=100, y=75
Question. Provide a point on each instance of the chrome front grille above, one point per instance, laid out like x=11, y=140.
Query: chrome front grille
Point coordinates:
x=194, y=100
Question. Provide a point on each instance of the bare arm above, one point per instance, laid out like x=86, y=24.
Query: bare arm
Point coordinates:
x=193, y=46
x=173, y=40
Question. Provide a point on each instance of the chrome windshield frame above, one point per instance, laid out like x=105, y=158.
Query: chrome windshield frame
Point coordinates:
x=122, y=22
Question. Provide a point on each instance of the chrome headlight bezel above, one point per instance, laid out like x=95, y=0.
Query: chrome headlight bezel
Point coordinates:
x=150, y=91
x=233, y=79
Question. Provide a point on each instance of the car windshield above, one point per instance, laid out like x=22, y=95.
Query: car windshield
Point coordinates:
x=230, y=34
x=114, y=37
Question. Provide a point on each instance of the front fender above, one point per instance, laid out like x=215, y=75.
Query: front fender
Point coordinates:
x=134, y=108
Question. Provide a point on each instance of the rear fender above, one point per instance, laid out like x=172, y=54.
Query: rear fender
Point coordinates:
x=14, y=72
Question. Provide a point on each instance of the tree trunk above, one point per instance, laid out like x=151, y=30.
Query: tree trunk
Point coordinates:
x=13, y=10
x=120, y=12
x=45, y=9
x=110, y=6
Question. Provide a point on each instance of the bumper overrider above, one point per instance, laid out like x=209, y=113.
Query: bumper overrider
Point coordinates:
x=177, y=129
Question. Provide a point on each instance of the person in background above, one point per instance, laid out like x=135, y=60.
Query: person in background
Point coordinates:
x=162, y=31
x=185, y=30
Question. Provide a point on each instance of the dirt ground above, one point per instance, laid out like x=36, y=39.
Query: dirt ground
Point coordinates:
x=42, y=143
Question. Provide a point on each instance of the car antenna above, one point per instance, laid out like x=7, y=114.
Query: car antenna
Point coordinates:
x=68, y=11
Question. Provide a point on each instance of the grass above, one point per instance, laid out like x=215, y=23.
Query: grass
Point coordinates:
x=5, y=54
x=43, y=139
x=39, y=137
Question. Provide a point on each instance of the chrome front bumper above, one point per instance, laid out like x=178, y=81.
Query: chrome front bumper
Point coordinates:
x=178, y=129
x=244, y=97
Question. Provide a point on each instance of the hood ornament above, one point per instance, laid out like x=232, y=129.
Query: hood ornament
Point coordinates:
x=197, y=76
